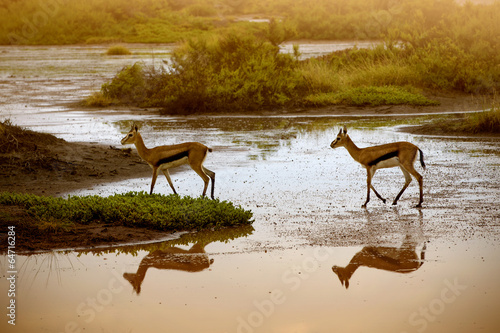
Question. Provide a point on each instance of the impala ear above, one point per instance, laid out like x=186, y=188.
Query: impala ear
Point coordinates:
x=345, y=129
x=340, y=132
x=134, y=127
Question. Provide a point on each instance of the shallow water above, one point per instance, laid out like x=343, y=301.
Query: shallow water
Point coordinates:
x=408, y=270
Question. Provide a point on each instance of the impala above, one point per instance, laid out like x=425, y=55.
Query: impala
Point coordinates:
x=167, y=157
x=397, y=154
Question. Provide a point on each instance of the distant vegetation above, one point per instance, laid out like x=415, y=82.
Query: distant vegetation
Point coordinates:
x=133, y=209
x=486, y=122
x=166, y=21
x=225, y=63
x=118, y=50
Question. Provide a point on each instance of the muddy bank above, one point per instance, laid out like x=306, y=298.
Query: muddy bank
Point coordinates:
x=30, y=238
x=42, y=164
x=449, y=102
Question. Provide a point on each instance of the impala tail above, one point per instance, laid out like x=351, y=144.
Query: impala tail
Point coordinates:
x=422, y=163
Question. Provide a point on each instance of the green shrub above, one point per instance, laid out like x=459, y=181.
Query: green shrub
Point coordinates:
x=230, y=73
x=133, y=209
x=201, y=10
x=483, y=122
x=127, y=86
x=97, y=99
x=370, y=96
x=118, y=50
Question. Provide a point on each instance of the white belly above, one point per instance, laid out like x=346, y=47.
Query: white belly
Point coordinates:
x=389, y=163
x=173, y=164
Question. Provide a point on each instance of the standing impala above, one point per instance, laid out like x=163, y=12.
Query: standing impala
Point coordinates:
x=166, y=157
x=397, y=154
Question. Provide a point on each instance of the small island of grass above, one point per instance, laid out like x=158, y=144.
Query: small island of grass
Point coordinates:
x=51, y=219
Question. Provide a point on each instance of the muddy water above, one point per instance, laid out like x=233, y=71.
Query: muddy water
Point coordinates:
x=407, y=270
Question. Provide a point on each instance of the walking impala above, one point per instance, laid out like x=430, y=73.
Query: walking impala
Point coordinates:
x=167, y=157
x=397, y=154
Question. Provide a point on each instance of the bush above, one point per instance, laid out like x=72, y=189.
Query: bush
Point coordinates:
x=97, y=99
x=133, y=209
x=118, y=50
x=370, y=96
x=233, y=72
x=483, y=122
x=128, y=86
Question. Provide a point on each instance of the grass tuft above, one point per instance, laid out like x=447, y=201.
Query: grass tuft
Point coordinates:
x=97, y=99
x=118, y=50
x=483, y=122
x=133, y=209
x=371, y=96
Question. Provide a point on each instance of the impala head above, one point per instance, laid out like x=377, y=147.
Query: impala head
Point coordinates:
x=343, y=275
x=131, y=135
x=340, y=139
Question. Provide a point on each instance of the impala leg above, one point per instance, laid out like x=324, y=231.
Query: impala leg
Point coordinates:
x=153, y=180
x=373, y=188
x=369, y=176
x=377, y=194
x=407, y=182
x=167, y=175
x=420, y=181
x=199, y=170
x=210, y=174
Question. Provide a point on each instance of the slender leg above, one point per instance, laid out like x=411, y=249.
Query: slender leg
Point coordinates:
x=407, y=182
x=369, y=176
x=167, y=174
x=153, y=181
x=420, y=180
x=210, y=174
x=377, y=194
x=199, y=170
x=373, y=188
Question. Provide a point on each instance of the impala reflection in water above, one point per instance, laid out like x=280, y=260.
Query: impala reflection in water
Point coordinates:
x=172, y=257
x=401, y=259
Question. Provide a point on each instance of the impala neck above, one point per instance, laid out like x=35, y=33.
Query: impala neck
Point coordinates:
x=350, y=269
x=141, y=147
x=352, y=148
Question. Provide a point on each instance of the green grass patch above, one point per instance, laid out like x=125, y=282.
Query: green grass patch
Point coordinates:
x=370, y=96
x=97, y=99
x=484, y=122
x=133, y=209
x=118, y=50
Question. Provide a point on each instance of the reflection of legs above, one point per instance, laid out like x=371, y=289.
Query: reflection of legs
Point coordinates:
x=167, y=174
x=407, y=182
